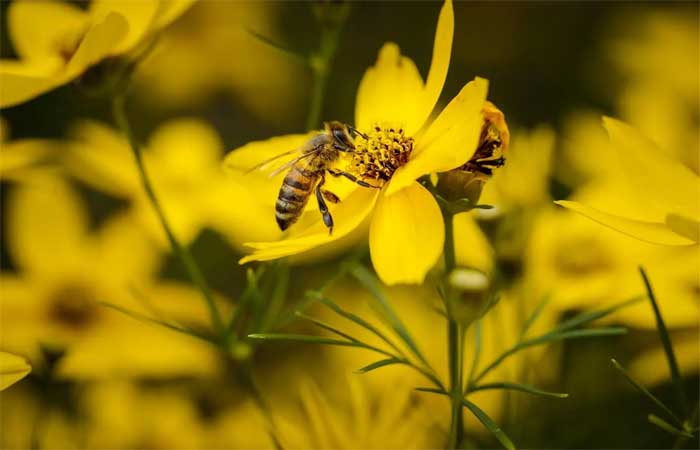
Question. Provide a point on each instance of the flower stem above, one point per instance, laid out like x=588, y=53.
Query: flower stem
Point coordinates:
x=120, y=117
x=322, y=59
x=454, y=340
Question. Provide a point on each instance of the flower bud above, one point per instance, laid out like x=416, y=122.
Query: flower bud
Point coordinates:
x=472, y=287
x=468, y=180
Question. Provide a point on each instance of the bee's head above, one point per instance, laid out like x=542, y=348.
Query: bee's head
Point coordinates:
x=341, y=135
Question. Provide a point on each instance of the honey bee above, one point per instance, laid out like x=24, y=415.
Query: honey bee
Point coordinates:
x=307, y=174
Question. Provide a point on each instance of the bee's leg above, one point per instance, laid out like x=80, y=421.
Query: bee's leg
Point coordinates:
x=331, y=197
x=327, y=218
x=351, y=177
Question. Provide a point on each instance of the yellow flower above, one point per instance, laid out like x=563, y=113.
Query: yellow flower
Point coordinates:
x=57, y=42
x=63, y=271
x=19, y=159
x=12, y=369
x=657, y=200
x=416, y=307
x=584, y=266
x=112, y=413
x=349, y=417
x=268, y=85
x=183, y=160
x=393, y=105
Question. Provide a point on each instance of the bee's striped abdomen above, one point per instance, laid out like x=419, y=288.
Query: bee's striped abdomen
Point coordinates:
x=293, y=195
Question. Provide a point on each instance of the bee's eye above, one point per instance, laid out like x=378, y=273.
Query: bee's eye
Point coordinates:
x=342, y=138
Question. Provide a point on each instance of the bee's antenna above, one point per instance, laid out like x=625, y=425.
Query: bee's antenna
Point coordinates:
x=356, y=131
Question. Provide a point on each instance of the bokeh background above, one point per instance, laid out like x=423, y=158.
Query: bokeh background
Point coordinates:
x=76, y=229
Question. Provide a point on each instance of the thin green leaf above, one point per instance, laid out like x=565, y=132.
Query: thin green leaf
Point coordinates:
x=360, y=321
x=661, y=423
x=370, y=282
x=152, y=320
x=646, y=392
x=327, y=327
x=302, y=338
x=668, y=346
x=381, y=363
x=489, y=424
x=277, y=46
x=550, y=337
x=588, y=317
x=519, y=387
x=433, y=390
x=532, y=318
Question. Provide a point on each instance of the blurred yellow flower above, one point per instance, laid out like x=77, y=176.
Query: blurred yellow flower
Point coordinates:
x=209, y=37
x=661, y=195
x=57, y=42
x=416, y=307
x=19, y=159
x=349, y=417
x=584, y=266
x=64, y=270
x=656, y=53
x=113, y=413
x=183, y=159
x=12, y=369
x=393, y=106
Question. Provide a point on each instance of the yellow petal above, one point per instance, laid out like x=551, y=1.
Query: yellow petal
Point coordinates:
x=348, y=215
x=684, y=226
x=170, y=10
x=472, y=248
x=122, y=251
x=390, y=91
x=450, y=140
x=20, y=83
x=652, y=232
x=186, y=147
x=12, y=369
x=41, y=29
x=406, y=235
x=442, y=49
x=46, y=223
x=101, y=157
x=100, y=40
x=138, y=15
x=663, y=185
x=17, y=156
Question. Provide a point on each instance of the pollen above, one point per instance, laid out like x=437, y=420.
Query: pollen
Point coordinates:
x=385, y=149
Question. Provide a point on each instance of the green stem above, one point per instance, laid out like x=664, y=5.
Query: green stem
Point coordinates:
x=454, y=340
x=120, y=117
x=320, y=63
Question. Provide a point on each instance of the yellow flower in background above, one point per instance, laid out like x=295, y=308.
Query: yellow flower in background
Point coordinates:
x=56, y=42
x=19, y=159
x=350, y=417
x=12, y=369
x=415, y=306
x=524, y=181
x=392, y=108
x=656, y=53
x=209, y=37
x=582, y=265
x=64, y=270
x=183, y=159
x=658, y=200
x=113, y=413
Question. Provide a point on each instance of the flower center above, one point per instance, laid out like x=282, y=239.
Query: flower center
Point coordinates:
x=383, y=151
x=73, y=307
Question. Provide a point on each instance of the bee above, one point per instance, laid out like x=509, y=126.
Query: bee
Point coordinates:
x=307, y=173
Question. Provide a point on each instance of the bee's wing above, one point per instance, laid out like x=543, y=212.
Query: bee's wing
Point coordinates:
x=294, y=161
x=263, y=165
